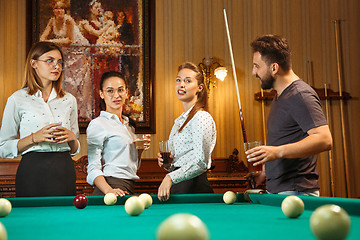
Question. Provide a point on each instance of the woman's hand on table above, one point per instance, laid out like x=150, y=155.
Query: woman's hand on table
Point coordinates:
x=164, y=189
x=118, y=192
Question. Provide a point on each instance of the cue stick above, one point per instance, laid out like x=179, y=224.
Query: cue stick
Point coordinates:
x=308, y=72
x=251, y=179
x=263, y=114
x=327, y=110
x=235, y=79
x=339, y=75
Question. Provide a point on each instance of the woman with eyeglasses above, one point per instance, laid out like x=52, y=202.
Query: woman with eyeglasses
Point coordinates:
x=112, y=154
x=46, y=121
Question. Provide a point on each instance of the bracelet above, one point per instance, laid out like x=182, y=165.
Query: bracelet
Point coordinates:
x=32, y=138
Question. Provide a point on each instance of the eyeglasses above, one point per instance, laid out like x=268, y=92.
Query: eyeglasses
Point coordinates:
x=110, y=92
x=52, y=62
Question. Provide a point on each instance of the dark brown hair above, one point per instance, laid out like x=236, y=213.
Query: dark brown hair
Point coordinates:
x=31, y=79
x=103, y=79
x=202, y=96
x=273, y=49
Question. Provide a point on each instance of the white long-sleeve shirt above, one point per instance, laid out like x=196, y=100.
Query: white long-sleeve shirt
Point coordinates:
x=25, y=114
x=192, y=147
x=111, y=151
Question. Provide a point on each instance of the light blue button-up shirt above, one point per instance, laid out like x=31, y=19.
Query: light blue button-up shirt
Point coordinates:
x=25, y=114
x=111, y=151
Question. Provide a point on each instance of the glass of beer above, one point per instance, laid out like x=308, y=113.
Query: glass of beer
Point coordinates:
x=251, y=167
x=165, y=153
x=140, y=141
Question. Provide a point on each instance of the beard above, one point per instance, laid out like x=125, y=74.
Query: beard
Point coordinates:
x=267, y=82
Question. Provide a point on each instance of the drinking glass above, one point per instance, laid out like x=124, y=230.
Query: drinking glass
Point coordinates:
x=165, y=153
x=251, y=167
x=140, y=141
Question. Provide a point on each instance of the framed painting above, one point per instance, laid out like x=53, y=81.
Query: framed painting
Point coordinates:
x=97, y=36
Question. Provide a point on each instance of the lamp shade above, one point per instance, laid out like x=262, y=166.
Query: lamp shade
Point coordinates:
x=220, y=73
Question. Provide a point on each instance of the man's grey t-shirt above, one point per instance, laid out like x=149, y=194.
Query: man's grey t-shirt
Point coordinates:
x=292, y=114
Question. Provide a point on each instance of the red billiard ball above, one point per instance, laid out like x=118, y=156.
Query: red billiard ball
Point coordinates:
x=80, y=201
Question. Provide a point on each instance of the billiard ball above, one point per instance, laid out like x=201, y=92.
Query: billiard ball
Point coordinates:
x=182, y=226
x=5, y=207
x=80, y=201
x=292, y=206
x=330, y=222
x=110, y=199
x=146, y=199
x=229, y=197
x=133, y=206
x=3, y=232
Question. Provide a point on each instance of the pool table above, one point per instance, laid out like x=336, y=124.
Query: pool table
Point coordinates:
x=56, y=217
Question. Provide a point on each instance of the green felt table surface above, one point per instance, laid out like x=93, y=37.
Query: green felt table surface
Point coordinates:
x=57, y=218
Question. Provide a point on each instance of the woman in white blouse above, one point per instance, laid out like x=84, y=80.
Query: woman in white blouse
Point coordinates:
x=112, y=154
x=192, y=138
x=45, y=117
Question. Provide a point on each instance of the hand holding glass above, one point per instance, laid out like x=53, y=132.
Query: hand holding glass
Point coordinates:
x=165, y=153
x=251, y=167
x=140, y=141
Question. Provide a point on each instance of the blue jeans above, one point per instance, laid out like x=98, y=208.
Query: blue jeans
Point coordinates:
x=313, y=193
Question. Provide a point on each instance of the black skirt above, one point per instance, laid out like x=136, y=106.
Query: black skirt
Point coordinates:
x=199, y=184
x=43, y=174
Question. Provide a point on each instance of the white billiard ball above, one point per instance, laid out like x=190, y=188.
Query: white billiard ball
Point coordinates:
x=330, y=222
x=146, y=199
x=182, y=226
x=110, y=199
x=5, y=207
x=133, y=206
x=229, y=197
x=3, y=232
x=292, y=206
